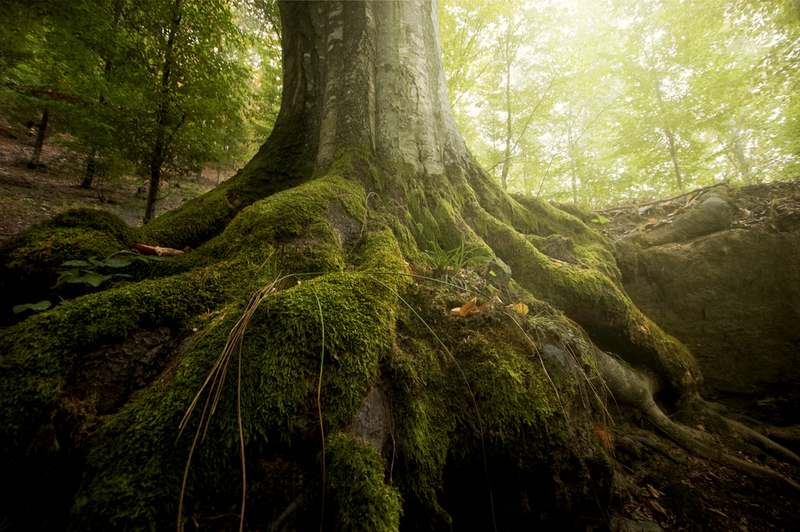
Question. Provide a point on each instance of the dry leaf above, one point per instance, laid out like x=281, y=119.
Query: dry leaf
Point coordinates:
x=522, y=308
x=712, y=510
x=481, y=309
x=606, y=438
x=654, y=492
x=144, y=249
x=657, y=507
x=467, y=307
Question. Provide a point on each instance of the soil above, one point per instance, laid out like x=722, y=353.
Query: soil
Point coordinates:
x=29, y=196
x=661, y=486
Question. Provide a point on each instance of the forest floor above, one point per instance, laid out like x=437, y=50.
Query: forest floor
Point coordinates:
x=662, y=488
x=29, y=196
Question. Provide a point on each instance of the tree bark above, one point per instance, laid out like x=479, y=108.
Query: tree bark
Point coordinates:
x=365, y=74
x=37, y=148
x=669, y=134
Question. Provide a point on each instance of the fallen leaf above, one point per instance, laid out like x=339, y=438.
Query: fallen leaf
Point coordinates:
x=467, y=307
x=658, y=508
x=605, y=437
x=522, y=308
x=654, y=492
x=481, y=309
x=144, y=249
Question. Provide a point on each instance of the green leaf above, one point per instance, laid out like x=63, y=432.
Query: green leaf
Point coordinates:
x=115, y=263
x=93, y=278
x=420, y=227
x=67, y=277
x=40, y=306
x=77, y=264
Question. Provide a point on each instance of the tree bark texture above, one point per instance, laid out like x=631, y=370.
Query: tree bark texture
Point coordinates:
x=366, y=74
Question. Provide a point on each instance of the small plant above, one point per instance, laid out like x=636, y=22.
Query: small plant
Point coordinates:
x=464, y=256
x=81, y=271
x=85, y=271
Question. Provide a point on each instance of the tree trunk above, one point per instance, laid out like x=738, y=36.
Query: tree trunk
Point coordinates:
x=738, y=150
x=158, y=155
x=364, y=385
x=365, y=74
x=94, y=153
x=37, y=148
x=669, y=134
x=91, y=166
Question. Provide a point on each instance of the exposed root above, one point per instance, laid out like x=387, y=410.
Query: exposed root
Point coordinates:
x=628, y=386
x=749, y=435
x=658, y=447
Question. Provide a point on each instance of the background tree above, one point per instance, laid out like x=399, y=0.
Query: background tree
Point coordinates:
x=653, y=92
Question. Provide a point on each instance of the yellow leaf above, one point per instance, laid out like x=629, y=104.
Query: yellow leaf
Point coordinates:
x=467, y=307
x=522, y=308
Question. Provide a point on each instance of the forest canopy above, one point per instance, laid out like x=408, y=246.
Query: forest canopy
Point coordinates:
x=599, y=100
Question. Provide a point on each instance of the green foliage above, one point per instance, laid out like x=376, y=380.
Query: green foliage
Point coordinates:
x=40, y=306
x=602, y=220
x=86, y=271
x=602, y=101
x=464, y=256
x=156, y=86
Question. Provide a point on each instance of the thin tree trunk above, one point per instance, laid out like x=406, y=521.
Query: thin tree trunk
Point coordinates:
x=159, y=147
x=94, y=153
x=738, y=150
x=91, y=167
x=673, y=152
x=37, y=149
x=507, y=158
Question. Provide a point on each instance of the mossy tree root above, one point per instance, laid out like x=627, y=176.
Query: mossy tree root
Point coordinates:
x=630, y=387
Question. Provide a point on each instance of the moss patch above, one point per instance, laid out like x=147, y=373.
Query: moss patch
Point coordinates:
x=362, y=500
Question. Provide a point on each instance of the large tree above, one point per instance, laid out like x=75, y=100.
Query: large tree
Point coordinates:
x=345, y=392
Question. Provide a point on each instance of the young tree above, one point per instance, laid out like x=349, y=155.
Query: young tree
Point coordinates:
x=357, y=391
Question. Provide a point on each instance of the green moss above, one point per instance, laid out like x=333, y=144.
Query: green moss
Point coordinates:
x=280, y=364
x=471, y=397
x=40, y=352
x=599, y=305
x=29, y=261
x=193, y=223
x=361, y=498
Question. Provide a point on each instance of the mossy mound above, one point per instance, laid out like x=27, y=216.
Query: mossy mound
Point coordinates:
x=320, y=298
x=29, y=261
